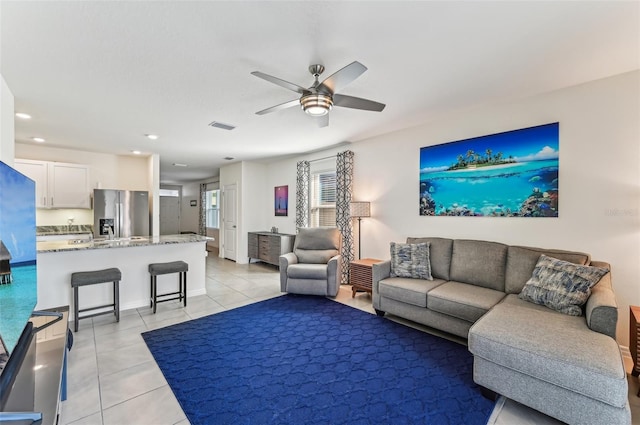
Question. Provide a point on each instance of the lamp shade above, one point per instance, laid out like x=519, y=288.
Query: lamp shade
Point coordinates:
x=360, y=209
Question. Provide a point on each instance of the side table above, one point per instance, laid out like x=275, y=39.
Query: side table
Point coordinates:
x=634, y=338
x=362, y=275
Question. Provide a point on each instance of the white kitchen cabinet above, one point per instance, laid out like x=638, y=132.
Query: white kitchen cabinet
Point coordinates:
x=36, y=171
x=58, y=184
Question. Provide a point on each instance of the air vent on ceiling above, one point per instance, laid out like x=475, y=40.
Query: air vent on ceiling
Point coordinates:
x=228, y=158
x=221, y=125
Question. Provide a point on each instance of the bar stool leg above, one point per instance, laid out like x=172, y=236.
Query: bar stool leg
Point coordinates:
x=150, y=291
x=76, y=319
x=155, y=293
x=116, y=299
x=185, y=287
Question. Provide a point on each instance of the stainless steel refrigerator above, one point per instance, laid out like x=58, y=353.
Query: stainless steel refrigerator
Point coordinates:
x=124, y=213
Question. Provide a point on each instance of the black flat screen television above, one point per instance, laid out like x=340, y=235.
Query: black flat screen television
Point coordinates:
x=18, y=276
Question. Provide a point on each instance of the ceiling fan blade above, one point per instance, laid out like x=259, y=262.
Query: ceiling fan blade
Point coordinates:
x=357, y=103
x=323, y=121
x=341, y=78
x=282, y=83
x=289, y=104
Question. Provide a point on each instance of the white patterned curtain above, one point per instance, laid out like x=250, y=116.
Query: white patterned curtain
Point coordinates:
x=202, y=220
x=302, y=194
x=344, y=190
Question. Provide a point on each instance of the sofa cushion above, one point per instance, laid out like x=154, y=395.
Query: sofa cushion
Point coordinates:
x=480, y=263
x=307, y=271
x=461, y=300
x=410, y=291
x=439, y=255
x=410, y=260
x=521, y=260
x=552, y=347
x=560, y=285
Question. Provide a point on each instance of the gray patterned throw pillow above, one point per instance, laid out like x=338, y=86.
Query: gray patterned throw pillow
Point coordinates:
x=411, y=260
x=561, y=285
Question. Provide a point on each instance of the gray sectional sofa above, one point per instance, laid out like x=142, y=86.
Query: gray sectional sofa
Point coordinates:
x=568, y=367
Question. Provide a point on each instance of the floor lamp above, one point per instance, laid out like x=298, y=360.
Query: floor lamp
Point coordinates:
x=360, y=210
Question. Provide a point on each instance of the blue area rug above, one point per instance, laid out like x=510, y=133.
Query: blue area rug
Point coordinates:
x=309, y=360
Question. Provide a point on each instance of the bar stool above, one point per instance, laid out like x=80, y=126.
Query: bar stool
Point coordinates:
x=156, y=269
x=79, y=279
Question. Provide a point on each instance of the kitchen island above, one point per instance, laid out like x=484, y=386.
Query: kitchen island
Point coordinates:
x=56, y=260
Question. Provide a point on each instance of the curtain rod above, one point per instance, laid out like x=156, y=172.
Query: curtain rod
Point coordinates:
x=322, y=159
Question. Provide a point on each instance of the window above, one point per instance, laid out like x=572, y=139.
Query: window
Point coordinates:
x=212, y=212
x=323, y=199
x=170, y=193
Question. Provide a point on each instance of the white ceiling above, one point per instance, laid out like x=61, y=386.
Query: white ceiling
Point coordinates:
x=98, y=76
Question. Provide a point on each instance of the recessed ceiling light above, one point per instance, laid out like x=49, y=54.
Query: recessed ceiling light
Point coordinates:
x=152, y=136
x=177, y=164
x=38, y=139
x=136, y=152
x=23, y=115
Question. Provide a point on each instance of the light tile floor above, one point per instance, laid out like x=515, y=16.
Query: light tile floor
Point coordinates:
x=113, y=378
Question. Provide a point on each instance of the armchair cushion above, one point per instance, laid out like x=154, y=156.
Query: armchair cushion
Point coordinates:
x=307, y=271
x=317, y=245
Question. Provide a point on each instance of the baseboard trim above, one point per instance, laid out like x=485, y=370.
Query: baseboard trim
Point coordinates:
x=626, y=353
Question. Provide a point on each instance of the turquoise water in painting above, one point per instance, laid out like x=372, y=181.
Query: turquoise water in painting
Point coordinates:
x=491, y=190
x=17, y=300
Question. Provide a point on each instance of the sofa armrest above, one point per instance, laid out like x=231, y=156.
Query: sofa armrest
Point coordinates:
x=380, y=271
x=601, y=309
x=285, y=261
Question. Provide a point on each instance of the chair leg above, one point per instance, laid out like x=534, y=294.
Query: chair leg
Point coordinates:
x=75, y=309
x=150, y=291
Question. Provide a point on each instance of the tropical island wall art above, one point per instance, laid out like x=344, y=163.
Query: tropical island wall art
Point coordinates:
x=510, y=174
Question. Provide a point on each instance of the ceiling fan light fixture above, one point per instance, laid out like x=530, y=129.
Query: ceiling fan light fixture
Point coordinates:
x=316, y=105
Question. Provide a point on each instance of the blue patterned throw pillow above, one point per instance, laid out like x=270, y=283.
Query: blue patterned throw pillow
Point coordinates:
x=561, y=285
x=411, y=260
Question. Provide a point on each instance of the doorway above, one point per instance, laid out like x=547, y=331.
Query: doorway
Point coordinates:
x=170, y=197
x=230, y=220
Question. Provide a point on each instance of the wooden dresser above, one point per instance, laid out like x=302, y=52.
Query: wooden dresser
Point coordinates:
x=268, y=246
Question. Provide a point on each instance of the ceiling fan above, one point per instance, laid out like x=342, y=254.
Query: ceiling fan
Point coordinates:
x=318, y=99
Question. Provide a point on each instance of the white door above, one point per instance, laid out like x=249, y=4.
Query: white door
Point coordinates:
x=230, y=220
x=169, y=215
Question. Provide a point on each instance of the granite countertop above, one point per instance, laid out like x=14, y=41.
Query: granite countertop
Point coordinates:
x=72, y=229
x=85, y=244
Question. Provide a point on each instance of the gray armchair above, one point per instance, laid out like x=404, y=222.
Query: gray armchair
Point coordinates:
x=314, y=265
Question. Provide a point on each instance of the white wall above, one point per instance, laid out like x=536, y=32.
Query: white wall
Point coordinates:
x=107, y=171
x=7, y=128
x=599, y=180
